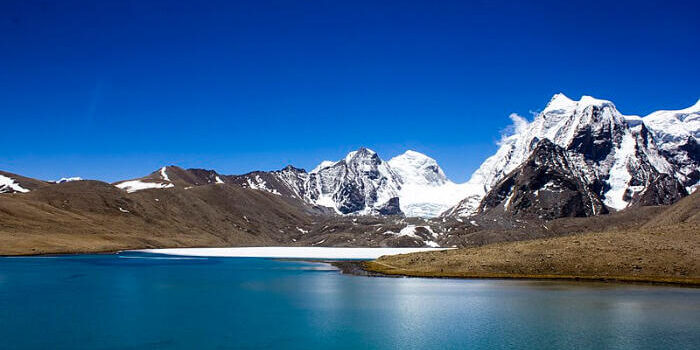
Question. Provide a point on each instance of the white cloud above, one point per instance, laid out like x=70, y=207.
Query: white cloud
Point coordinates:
x=520, y=125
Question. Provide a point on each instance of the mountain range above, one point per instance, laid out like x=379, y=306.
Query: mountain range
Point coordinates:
x=617, y=160
x=610, y=160
x=574, y=159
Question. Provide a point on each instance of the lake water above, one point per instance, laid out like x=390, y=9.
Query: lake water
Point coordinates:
x=143, y=301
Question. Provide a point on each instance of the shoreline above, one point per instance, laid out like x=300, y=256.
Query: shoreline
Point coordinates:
x=30, y=255
x=373, y=269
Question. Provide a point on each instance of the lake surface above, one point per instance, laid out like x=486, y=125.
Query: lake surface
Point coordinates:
x=144, y=301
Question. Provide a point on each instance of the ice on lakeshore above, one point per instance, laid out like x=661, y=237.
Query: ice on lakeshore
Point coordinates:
x=289, y=252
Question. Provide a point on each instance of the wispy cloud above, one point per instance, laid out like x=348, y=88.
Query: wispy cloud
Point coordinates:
x=520, y=125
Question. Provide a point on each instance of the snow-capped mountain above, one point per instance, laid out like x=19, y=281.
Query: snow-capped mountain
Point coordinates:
x=615, y=155
x=677, y=134
x=425, y=190
x=363, y=183
x=599, y=160
x=360, y=183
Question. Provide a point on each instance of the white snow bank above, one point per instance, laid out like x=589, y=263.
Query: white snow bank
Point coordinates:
x=164, y=174
x=410, y=231
x=261, y=185
x=138, y=185
x=289, y=252
x=69, y=179
x=430, y=201
x=7, y=184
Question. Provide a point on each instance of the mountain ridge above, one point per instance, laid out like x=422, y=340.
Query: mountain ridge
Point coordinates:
x=619, y=156
x=555, y=175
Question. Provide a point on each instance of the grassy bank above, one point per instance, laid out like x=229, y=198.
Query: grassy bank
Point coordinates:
x=664, y=255
x=376, y=268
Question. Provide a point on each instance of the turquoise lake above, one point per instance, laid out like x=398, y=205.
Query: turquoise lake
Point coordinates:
x=142, y=301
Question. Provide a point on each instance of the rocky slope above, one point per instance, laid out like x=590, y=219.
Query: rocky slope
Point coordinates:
x=546, y=186
x=678, y=135
x=362, y=183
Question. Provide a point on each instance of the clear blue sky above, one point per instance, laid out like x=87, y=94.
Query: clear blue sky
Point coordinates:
x=113, y=90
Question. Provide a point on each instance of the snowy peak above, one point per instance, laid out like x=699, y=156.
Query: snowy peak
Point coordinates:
x=362, y=155
x=587, y=101
x=672, y=126
x=677, y=134
x=417, y=169
x=425, y=190
x=361, y=183
x=695, y=108
x=561, y=104
x=324, y=164
x=565, y=122
x=610, y=151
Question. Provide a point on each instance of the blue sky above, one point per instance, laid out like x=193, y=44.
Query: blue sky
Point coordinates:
x=113, y=90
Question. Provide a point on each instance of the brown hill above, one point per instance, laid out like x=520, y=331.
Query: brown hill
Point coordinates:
x=89, y=216
x=85, y=216
x=178, y=177
x=23, y=181
x=661, y=245
x=93, y=216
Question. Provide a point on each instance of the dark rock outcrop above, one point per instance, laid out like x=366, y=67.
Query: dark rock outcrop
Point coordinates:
x=546, y=186
x=390, y=208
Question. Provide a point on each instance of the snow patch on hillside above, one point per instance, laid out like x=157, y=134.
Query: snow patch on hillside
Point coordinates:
x=260, y=184
x=164, y=174
x=138, y=185
x=7, y=184
x=69, y=179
